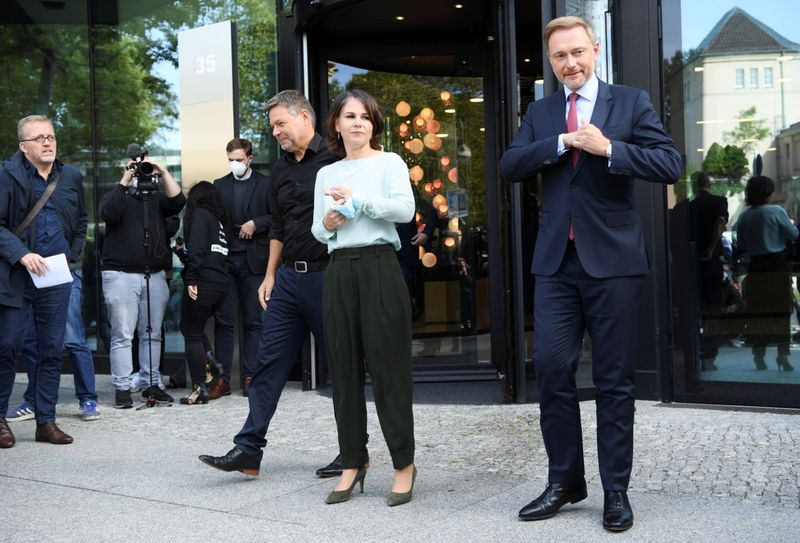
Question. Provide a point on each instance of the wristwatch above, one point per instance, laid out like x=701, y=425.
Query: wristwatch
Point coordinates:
x=608, y=150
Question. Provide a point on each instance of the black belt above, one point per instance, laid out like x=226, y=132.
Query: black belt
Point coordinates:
x=305, y=266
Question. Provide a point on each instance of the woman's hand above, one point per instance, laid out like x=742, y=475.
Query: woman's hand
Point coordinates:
x=338, y=194
x=192, y=290
x=333, y=220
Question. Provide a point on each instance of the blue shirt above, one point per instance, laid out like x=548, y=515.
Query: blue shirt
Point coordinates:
x=50, y=238
x=764, y=229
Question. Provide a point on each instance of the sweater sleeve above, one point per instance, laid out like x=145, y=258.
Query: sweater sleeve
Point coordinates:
x=198, y=243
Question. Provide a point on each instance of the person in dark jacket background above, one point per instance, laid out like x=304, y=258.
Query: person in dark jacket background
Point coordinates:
x=245, y=197
x=124, y=283
x=60, y=227
x=206, y=277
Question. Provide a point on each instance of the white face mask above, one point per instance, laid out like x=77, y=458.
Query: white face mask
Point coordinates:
x=237, y=168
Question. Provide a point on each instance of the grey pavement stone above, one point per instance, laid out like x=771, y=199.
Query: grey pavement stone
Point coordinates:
x=699, y=475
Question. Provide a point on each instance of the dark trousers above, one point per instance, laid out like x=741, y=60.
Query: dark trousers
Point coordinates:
x=566, y=305
x=242, y=298
x=49, y=306
x=368, y=320
x=194, y=315
x=294, y=309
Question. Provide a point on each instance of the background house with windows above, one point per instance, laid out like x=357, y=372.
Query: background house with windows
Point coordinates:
x=742, y=73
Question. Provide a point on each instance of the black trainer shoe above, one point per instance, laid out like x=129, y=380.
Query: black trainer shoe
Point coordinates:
x=122, y=399
x=158, y=394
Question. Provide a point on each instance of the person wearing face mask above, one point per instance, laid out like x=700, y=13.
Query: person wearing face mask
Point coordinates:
x=244, y=195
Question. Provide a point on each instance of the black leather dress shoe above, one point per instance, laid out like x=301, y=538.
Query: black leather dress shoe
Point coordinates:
x=334, y=469
x=235, y=460
x=617, y=512
x=554, y=497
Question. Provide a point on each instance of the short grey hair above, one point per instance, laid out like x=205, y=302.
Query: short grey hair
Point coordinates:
x=292, y=100
x=27, y=120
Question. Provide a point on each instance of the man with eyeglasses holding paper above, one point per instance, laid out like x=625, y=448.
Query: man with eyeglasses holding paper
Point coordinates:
x=42, y=215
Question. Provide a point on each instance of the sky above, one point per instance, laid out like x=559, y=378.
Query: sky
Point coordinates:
x=700, y=16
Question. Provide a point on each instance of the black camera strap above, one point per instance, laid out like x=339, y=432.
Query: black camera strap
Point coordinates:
x=37, y=207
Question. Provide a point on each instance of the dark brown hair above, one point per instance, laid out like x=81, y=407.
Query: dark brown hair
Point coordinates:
x=240, y=143
x=758, y=190
x=370, y=104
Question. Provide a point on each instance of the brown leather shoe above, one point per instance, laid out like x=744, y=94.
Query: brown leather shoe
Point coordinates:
x=219, y=388
x=50, y=432
x=6, y=437
x=246, y=386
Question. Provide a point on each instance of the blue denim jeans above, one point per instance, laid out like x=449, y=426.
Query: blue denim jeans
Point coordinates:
x=74, y=342
x=126, y=301
x=49, y=308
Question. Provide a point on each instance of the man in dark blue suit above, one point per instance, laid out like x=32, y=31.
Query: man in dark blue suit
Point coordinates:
x=589, y=259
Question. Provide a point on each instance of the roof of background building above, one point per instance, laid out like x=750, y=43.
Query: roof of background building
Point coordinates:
x=739, y=32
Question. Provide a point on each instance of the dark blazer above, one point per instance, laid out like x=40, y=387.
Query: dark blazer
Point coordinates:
x=704, y=211
x=595, y=197
x=16, y=199
x=258, y=210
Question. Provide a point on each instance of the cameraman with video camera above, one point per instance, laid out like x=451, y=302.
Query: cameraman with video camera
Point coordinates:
x=133, y=247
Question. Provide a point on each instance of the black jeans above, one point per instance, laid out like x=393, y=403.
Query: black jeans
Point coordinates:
x=194, y=315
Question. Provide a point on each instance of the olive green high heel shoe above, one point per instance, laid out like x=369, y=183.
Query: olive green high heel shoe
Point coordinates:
x=339, y=496
x=399, y=498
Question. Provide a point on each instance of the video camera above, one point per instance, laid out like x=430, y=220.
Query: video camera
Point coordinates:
x=144, y=172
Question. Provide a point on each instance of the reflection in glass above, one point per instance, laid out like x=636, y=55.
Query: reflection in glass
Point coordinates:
x=435, y=124
x=732, y=91
x=122, y=89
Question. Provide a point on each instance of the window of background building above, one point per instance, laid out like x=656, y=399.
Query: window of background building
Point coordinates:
x=733, y=334
x=48, y=69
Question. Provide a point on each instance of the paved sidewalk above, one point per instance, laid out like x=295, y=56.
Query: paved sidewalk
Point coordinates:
x=699, y=475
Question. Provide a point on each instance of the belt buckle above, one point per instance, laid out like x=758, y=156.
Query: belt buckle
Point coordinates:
x=301, y=266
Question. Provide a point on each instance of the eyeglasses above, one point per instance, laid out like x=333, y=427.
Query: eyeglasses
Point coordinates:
x=42, y=139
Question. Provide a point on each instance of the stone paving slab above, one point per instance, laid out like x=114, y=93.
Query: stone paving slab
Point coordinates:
x=699, y=475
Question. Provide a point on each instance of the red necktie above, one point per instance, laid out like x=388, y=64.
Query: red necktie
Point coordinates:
x=572, y=123
x=572, y=126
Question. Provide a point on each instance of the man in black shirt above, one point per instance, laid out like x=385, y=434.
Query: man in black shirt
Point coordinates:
x=292, y=288
x=244, y=195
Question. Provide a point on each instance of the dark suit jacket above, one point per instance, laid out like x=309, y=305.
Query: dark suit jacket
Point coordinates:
x=258, y=210
x=704, y=211
x=595, y=197
x=16, y=199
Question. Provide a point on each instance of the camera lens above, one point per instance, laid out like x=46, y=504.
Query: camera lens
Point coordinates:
x=145, y=168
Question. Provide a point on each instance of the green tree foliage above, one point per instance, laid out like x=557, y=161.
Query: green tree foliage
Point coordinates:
x=728, y=166
x=46, y=70
x=749, y=131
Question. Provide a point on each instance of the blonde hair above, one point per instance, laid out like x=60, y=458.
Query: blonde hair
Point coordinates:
x=565, y=23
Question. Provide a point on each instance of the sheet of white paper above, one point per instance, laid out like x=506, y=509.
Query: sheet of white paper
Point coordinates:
x=58, y=274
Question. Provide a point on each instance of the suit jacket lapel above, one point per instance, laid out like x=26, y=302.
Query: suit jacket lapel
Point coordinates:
x=603, y=105
x=251, y=187
x=558, y=112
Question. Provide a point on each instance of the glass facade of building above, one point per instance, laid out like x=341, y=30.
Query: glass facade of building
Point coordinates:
x=732, y=86
x=726, y=80
x=108, y=74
